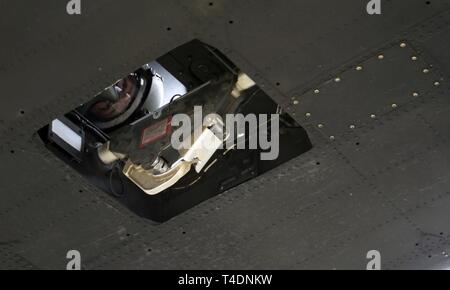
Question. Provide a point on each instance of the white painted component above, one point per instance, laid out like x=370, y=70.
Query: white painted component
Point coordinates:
x=67, y=134
x=203, y=149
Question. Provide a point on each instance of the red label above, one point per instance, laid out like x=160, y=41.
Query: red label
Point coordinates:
x=155, y=132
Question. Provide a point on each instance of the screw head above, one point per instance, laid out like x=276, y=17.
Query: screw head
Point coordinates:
x=332, y=138
x=373, y=116
x=437, y=83
x=414, y=58
x=352, y=127
x=415, y=94
x=320, y=125
x=359, y=68
x=316, y=91
x=394, y=106
x=402, y=45
x=308, y=115
x=295, y=102
x=425, y=71
x=380, y=56
x=337, y=79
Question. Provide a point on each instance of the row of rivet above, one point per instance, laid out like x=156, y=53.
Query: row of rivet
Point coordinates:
x=360, y=68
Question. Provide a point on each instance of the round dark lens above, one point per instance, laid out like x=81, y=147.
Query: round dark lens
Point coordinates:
x=115, y=100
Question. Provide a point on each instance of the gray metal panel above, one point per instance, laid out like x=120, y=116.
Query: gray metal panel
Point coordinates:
x=325, y=209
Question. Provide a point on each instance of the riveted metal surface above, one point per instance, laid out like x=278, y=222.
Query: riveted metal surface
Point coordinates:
x=325, y=209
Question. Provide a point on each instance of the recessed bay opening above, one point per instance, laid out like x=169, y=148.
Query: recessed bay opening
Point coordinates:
x=121, y=140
